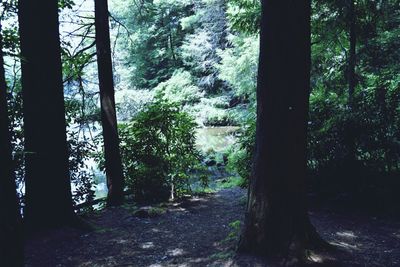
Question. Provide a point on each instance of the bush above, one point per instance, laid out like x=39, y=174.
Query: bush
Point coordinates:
x=82, y=179
x=371, y=125
x=241, y=156
x=158, y=151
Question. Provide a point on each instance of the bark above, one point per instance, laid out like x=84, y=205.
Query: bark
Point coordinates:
x=276, y=217
x=113, y=164
x=48, y=188
x=10, y=221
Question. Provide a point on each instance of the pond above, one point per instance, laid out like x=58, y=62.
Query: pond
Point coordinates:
x=218, y=139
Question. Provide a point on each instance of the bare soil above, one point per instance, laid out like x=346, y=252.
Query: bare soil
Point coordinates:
x=197, y=232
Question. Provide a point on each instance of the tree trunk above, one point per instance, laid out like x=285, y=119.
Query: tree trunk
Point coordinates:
x=115, y=178
x=11, y=251
x=276, y=216
x=48, y=188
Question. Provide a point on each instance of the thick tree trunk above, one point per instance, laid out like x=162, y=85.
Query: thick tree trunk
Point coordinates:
x=115, y=178
x=10, y=219
x=48, y=188
x=276, y=216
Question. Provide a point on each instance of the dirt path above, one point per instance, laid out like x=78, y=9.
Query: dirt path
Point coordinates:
x=196, y=233
x=187, y=234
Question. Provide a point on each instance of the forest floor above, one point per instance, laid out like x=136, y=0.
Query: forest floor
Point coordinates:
x=198, y=231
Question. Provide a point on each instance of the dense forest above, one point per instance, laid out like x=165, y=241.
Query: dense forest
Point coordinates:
x=199, y=133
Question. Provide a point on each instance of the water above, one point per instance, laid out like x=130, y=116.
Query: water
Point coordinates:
x=217, y=139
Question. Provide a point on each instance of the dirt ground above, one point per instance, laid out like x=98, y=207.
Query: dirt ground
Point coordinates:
x=199, y=232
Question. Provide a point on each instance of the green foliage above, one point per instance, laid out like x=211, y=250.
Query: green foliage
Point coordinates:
x=81, y=149
x=179, y=89
x=372, y=121
x=372, y=124
x=82, y=179
x=199, y=47
x=241, y=156
x=74, y=65
x=201, y=57
x=233, y=237
x=213, y=111
x=230, y=182
x=244, y=15
x=218, y=117
x=235, y=231
x=130, y=102
x=65, y=4
x=158, y=151
x=10, y=40
x=197, y=51
x=239, y=64
x=157, y=35
x=191, y=22
x=8, y=9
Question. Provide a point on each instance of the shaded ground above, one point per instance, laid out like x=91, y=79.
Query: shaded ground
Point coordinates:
x=197, y=232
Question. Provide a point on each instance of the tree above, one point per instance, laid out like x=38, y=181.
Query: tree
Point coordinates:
x=10, y=224
x=113, y=164
x=276, y=214
x=159, y=151
x=48, y=201
x=206, y=33
x=156, y=39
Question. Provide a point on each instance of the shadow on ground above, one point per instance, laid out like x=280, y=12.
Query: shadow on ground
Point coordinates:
x=197, y=232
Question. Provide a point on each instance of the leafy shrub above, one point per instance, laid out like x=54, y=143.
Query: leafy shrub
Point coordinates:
x=326, y=129
x=371, y=124
x=158, y=150
x=82, y=179
x=81, y=149
x=241, y=156
x=370, y=127
x=234, y=234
